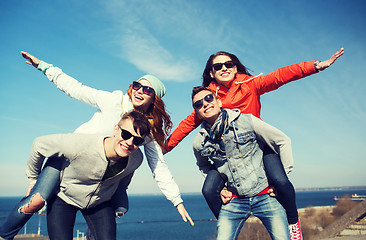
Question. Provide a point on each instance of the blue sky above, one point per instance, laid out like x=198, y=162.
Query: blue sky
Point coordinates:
x=107, y=44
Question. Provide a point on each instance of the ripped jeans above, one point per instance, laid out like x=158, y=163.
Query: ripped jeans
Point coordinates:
x=47, y=185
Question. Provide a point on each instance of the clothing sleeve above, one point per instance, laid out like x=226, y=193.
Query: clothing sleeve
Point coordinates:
x=202, y=162
x=75, y=89
x=44, y=147
x=184, y=128
x=127, y=180
x=161, y=172
x=276, y=140
x=281, y=76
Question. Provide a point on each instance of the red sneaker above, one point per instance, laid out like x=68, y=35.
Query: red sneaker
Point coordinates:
x=295, y=231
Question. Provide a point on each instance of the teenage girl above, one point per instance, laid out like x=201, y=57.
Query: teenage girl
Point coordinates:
x=225, y=75
x=144, y=95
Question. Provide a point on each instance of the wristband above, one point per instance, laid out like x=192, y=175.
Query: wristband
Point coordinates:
x=43, y=66
x=315, y=66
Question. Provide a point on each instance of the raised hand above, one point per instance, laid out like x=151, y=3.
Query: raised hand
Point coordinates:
x=325, y=64
x=32, y=60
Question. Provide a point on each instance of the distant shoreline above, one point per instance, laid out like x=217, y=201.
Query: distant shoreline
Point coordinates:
x=331, y=188
x=303, y=189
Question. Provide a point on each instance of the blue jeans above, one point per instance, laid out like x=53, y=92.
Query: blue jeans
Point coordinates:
x=234, y=214
x=47, y=186
x=277, y=177
x=119, y=200
x=211, y=191
x=61, y=220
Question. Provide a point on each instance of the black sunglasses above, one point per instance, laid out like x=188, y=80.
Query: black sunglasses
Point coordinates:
x=198, y=104
x=145, y=89
x=218, y=66
x=127, y=135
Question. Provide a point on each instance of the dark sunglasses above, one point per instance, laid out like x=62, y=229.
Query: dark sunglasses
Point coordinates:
x=145, y=89
x=127, y=135
x=218, y=66
x=198, y=104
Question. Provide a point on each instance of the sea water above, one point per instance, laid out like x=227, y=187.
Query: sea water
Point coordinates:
x=153, y=217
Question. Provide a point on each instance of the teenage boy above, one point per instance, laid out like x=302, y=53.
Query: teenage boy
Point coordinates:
x=233, y=143
x=93, y=167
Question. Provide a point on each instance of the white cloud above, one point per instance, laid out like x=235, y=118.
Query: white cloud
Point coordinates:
x=139, y=46
x=144, y=51
x=164, y=38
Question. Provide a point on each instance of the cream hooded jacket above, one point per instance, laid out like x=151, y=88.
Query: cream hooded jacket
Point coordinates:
x=111, y=106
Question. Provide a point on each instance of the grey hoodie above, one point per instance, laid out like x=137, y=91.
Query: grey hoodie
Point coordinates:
x=84, y=166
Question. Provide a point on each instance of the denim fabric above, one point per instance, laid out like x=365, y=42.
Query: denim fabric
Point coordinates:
x=211, y=191
x=241, y=163
x=119, y=200
x=267, y=209
x=277, y=177
x=47, y=186
x=61, y=219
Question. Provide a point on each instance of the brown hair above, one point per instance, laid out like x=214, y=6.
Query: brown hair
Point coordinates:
x=140, y=122
x=159, y=119
x=206, y=77
x=198, y=89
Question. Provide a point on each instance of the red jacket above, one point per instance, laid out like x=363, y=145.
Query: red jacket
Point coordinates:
x=244, y=94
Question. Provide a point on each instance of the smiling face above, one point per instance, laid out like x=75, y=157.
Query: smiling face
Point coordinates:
x=209, y=110
x=225, y=75
x=124, y=147
x=141, y=101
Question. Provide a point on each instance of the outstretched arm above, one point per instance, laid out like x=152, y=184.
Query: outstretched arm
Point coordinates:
x=72, y=87
x=284, y=75
x=184, y=128
x=320, y=66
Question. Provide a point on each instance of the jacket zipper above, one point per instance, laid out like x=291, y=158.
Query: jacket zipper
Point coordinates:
x=100, y=183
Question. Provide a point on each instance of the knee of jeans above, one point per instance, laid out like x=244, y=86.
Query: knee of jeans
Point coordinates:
x=35, y=204
x=209, y=192
x=281, y=183
x=206, y=190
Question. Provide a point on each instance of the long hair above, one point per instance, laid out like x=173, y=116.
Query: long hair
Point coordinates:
x=206, y=77
x=159, y=119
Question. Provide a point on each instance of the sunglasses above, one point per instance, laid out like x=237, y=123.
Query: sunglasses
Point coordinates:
x=145, y=89
x=198, y=104
x=218, y=66
x=127, y=135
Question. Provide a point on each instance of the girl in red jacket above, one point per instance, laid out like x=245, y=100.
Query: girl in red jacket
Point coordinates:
x=225, y=75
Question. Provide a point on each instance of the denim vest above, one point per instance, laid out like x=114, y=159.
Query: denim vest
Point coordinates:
x=240, y=164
